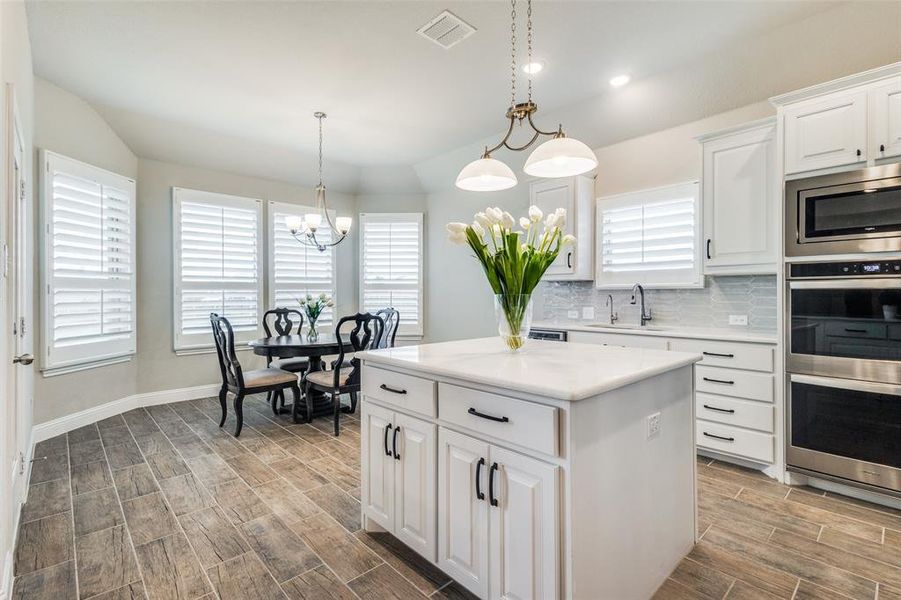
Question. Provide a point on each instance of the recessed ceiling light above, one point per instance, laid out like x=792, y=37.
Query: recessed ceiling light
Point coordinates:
x=533, y=67
x=619, y=80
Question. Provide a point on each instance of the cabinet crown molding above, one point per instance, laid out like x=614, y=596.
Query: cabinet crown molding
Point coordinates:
x=727, y=131
x=836, y=85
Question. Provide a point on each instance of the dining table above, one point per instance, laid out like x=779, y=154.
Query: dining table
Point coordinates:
x=302, y=345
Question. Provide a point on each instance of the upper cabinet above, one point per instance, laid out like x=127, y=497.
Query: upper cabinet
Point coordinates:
x=738, y=194
x=885, y=123
x=575, y=194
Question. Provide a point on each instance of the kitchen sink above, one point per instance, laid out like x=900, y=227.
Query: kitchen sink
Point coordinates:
x=626, y=326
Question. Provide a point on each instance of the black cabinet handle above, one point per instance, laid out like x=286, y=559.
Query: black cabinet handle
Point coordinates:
x=719, y=381
x=718, y=355
x=855, y=330
x=859, y=152
x=708, y=248
x=491, y=497
x=392, y=390
x=569, y=260
x=479, y=493
x=387, y=450
x=722, y=410
x=882, y=147
x=394, y=443
x=719, y=437
x=476, y=413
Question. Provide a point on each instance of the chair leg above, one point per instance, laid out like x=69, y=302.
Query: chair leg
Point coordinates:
x=271, y=398
x=336, y=401
x=353, y=402
x=309, y=403
x=223, y=397
x=295, y=391
x=239, y=413
x=281, y=398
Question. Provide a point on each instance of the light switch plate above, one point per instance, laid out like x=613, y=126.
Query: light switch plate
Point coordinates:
x=572, y=314
x=738, y=319
x=588, y=312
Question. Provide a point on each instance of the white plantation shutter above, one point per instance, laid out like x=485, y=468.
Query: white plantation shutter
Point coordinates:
x=89, y=275
x=296, y=269
x=218, y=252
x=391, y=267
x=650, y=237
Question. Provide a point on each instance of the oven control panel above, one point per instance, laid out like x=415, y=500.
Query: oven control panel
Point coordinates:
x=846, y=269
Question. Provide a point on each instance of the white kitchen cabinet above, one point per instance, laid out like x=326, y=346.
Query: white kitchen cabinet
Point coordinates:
x=623, y=340
x=576, y=195
x=826, y=132
x=885, y=119
x=738, y=194
x=399, y=479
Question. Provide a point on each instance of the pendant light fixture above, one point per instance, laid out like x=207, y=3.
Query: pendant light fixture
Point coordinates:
x=558, y=157
x=304, y=229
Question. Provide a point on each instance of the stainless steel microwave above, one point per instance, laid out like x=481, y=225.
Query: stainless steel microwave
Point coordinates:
x=845, y=213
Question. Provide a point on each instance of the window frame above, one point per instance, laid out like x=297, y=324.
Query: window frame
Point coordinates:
x=192, y=343
x=73, y=360
x=408, y=332
x=694, y=278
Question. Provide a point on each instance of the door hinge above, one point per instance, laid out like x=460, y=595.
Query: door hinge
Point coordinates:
x=21, y=463
x=15, y=328
x=22, y=326
x=22, y=190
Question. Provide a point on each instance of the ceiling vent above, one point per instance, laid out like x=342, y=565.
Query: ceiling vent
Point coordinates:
x=447, y=30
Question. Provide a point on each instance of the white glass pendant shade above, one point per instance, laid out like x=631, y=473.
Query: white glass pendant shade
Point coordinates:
x=342, y=224
x=293, y=223
x=486, y=175
x=313, y=220
x=560, y=157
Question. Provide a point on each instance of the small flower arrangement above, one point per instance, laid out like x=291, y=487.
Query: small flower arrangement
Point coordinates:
x=312, y=306
x=513, y=261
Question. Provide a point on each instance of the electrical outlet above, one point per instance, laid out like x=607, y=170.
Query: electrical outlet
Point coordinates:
x=653, y=425
x=738, y=319
x=572, y=314
x=588, y=312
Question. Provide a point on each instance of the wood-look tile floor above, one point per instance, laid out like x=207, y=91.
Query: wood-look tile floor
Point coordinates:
x=162, y=503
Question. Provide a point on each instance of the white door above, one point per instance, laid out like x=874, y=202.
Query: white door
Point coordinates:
x=377, y=475
x=415, y=484
x=463, y=510
x=737, y=192
x=549, y=195
x=885, y=120
x=523, y=556
x=824, y=133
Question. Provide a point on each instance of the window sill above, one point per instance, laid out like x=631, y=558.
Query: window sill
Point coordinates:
x=207, y=350
x=54, y=371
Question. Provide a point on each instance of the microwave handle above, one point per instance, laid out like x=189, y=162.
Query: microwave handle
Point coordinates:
x=848, y=384
x=842, y=283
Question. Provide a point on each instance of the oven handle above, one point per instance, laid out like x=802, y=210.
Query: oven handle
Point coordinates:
x=842, y=283
x=848, y=384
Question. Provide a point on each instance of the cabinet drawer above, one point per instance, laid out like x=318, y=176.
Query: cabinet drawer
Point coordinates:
x=403, y=391
x=523, y=423
x=732, y=440
x=734, y=355
x=732, y=411
x=617, y=339
x=729, y=382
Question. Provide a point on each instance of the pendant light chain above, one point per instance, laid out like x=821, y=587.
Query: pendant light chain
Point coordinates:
x=320, y=148
x=529, y=42
x=512, y=52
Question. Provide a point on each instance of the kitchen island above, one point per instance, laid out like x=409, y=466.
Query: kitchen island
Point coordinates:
x=561, y=471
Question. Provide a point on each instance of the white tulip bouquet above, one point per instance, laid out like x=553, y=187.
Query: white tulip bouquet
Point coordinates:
x=513, y=261
x=313, y=306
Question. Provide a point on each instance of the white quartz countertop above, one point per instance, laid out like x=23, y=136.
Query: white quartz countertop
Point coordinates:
x=674, y=332
x=551, y=369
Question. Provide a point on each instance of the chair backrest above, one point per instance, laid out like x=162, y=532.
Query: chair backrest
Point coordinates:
x=280, y=321
x=361, y=337
x=388, y=333
x=229, y=366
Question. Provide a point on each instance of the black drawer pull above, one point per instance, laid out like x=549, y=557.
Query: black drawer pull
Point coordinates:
x=392, y=390
x=569, y=260
x=719, y=437
x=387, y=450
x=849, y=330
x=394, y=443
x=476, y=413
x=718, y=355
x=708, y=248
x=491, y=497
x=479, y=493
x=722, y=410
x=723, y=381
x=859, y=152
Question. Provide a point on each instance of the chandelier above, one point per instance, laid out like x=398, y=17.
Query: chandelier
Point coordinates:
x=560, y=156
x=304, y=229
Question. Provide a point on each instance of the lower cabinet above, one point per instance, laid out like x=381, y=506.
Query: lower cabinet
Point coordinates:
x=497, y=519
x=398, y=483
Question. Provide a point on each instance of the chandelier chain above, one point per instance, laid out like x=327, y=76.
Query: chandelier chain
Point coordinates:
x=529, y=42
x=512, y=52
x=320, y=149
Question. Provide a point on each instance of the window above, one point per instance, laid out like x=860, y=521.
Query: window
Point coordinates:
x=391, y=267
x=218, y=248
x=650, y=237
x=88, y=287
x=296, y=269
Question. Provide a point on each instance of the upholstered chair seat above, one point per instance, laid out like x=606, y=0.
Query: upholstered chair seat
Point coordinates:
x=327, y=378
x=267, y=377
x=295, y=365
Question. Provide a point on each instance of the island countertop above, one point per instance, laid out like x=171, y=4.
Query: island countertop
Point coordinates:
x=563, y=371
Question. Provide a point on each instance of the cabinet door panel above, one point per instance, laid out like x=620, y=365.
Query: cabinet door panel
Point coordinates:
x=523, y=557
x=462, y=516
x=549, y=195
x=831, y=132
x=415, y=485
x=377, y=481
x=885, y=102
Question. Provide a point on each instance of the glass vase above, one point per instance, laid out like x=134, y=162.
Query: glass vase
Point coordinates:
x=514, y=318
x=313, y=333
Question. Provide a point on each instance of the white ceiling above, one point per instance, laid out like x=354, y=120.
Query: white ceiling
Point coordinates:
x=169, y=73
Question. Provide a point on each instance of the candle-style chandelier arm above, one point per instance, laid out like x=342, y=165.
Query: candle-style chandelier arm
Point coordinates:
x=521, y=112
x=309, y=239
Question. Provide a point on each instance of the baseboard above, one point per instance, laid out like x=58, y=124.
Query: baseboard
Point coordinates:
x=6, y=587
x=49, y=429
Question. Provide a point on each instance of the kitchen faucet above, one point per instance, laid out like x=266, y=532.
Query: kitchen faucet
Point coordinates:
x=645, y=314
x=614, y=317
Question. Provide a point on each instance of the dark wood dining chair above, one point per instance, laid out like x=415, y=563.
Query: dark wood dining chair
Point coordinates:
x=239, y=383
x=387, y=334
x=344, y=379
x=281, y=321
